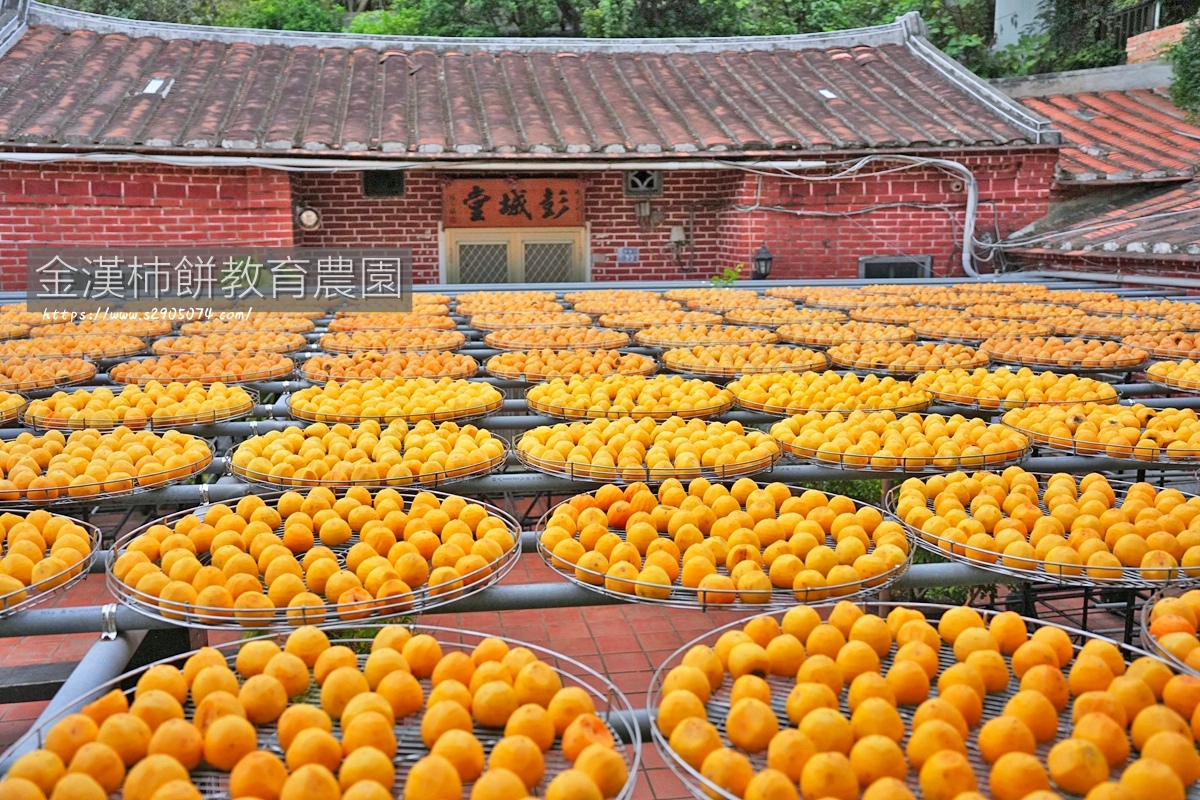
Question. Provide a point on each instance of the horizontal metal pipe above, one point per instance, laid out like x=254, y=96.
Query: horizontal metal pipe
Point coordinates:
x=1123, y=279
x=104, y=661
x=510, y=597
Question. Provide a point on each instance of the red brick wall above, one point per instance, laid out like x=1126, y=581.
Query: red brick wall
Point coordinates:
x=132, y=205
x=350, y=219
x=1148, y=46
x=1014, y=191
x=148, y=204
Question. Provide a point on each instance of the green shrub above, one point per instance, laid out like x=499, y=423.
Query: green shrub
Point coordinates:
x=1185, y=58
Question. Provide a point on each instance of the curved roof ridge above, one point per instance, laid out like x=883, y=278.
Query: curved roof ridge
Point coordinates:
x=896, y=32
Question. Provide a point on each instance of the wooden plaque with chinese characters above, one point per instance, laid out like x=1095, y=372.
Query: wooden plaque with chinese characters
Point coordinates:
x=526, y=203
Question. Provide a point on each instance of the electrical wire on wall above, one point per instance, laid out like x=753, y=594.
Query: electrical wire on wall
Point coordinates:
x=851, y=169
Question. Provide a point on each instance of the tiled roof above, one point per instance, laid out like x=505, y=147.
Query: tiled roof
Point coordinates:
x=78, y=83
x=1134, y=135
x=1165, y=224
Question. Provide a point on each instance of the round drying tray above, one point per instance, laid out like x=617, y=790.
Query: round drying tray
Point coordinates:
x=152, y=423
x=461, y=415
x=316, y=368
x=417, y=601
x=441, y=477
x=1147, y=639
x=419, y=340
x=57, y=583
x=95, y=491
x=811, y=361
x=650, y=475
x=610, y=704
x=1070, y=446
x=282, y=368
x=678, y=596
x=715, y=409
x=1034, y=570
x=535, y=339
x=719, y=702
x=909, y=465
x=74, y=372
x=631, y=364
x=916, y=405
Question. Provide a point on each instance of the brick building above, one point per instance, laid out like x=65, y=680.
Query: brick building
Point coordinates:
x=508, y=160
x=1126, y=192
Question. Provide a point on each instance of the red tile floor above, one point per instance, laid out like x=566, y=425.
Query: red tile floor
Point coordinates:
x=625, y=642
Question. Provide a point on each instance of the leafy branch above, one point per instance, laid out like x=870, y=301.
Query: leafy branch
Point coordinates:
x=727, y=277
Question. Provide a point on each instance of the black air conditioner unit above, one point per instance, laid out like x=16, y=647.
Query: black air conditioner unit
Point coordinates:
x=891, y=267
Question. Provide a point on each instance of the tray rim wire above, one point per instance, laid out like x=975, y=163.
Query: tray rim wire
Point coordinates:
x=615, y=343
x=1009, y=458
x=452, y=326
x=1037, y=574
x=781, y=599
x=981, y=360
x=720, y=320
x=235, y=380
x=591, y=413
x=166, y=423
x=1051, y=307
x=1162, y=353
x=17, y=331
x=527, y=377
x=16, y=412
x=663, y=344
x=761, y=302
x=700, y=787
x=67, y=499
x=75, y=573
x=1175, y=384
x=762, y=408
x=162, y=347
x=456, y=415
x=86, y=355
x=421, y=348
x=1059, y=444
x=733, y=372
x=576, y=320
x=963, y=401
x=813, y=341
x=1097, y=333
x=303, y=371
x=922, y=329
x=431, y=480
x=618, y=711
x=1076, y=369
x=75, y=379
x=419, y=601
x=1149, y=642
x=39, y=331
x=841, y=317
x=269, y=329
x=649, y=475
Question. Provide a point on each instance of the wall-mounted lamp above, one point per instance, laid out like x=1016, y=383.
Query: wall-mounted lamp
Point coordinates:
x=308, y=218
x=678, y=241
x=762, y=263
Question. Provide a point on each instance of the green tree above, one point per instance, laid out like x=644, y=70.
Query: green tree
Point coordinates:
x=1185, y=58
x=282, y=15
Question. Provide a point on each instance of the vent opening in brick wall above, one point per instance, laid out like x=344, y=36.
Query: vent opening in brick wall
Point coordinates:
x=642, y=183
x=383, y=183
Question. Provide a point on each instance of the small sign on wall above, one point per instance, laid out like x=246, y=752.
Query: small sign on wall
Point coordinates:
x=627, y=255
x=525, y=203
